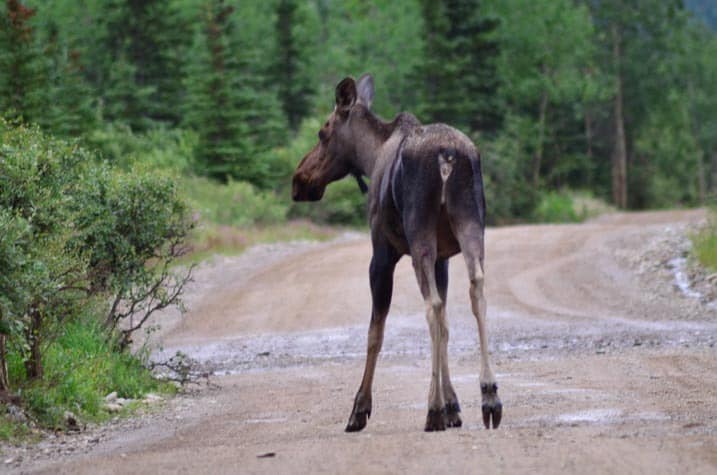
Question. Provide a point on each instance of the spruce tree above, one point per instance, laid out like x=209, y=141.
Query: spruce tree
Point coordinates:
x=71, y=99
x=23, y=70
x=290, y=72
x=228, y=103
x=457, y=77
x=145, y=43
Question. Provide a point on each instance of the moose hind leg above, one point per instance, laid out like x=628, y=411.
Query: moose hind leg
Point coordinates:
x=491, y=407
x=381, y=278
x=470, y=237
x=423, y=263
x=452, y=407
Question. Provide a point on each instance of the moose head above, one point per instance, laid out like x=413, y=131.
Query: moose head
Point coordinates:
x=333, y=157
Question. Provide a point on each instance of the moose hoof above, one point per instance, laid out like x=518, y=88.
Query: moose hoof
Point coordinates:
x=436, y=420
x=453, y=419
x=492, y=407
x=492, y=414
x=357, y=421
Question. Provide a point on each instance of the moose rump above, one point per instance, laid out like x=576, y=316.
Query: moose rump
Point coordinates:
x=436, y=188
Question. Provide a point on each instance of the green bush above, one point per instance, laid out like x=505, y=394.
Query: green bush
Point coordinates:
x=235, y=203
x=38, y=176
x=587, y=205
x=169, y=151
x=555, y=207
x=82, y=247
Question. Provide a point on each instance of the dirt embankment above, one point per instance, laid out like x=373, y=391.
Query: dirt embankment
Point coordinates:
x=603, y=364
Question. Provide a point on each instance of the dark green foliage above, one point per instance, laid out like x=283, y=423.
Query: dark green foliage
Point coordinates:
x=145, y=41
x=166, y=151
x=458, y=76
x=71, y=101
x=77, y=235
x=555, y=207
x=291, y=72
x=23, y=72
x=237, y=119
x=564, y=90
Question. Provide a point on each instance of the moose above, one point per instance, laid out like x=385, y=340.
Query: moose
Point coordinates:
x=426, y=200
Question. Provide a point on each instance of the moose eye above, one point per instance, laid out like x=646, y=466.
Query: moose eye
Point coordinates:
x=322, y=135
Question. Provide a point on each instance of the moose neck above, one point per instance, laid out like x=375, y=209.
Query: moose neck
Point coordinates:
x=369, y=133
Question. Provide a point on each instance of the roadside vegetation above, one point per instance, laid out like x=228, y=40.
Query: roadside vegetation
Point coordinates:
x=704, y=243
x=139, y=137
x=87, y=253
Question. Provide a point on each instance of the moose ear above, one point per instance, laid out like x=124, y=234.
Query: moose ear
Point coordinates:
x=346, y=94
x=365, y=90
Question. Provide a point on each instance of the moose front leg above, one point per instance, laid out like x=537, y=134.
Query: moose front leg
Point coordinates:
x=381, y=270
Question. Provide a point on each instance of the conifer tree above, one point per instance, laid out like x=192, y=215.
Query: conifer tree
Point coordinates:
x=71, y=101
x=458, y=77
x=237, y=118
x=290, y=72
x=22, y=67
x=145, y=41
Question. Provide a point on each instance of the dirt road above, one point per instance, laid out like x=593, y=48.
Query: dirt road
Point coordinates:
x=603, y=367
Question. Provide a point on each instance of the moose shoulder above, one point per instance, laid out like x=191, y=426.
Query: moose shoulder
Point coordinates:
x=426, y=200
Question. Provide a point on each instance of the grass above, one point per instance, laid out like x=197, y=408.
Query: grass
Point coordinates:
x=704, y=243
x=569, y=207
x=11, y=430
x=81, y=368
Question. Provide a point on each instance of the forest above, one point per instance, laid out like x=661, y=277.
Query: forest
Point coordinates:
x=125, y=124
x=615, y=99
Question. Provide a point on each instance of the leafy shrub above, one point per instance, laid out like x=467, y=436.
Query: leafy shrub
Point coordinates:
x=37, y=178
x=123, y=222
x=556, y=207
x=235, y=203
x=587, y=205
x=156, y=150
x=77, y=235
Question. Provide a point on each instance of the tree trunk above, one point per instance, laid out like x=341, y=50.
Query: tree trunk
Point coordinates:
x=713, y=175
x=33, y=364
x=701, y=181
x=538, y=157
x=619, y=156
x=589, y=134
x=4, y=383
